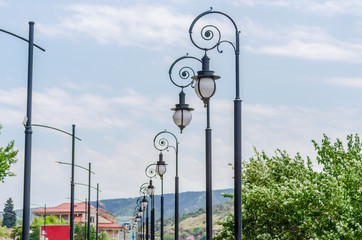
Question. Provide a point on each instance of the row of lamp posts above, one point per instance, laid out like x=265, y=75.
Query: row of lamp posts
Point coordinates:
x=205, y=87
x=204, y=84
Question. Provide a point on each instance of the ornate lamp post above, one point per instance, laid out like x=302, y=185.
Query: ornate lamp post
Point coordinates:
x=28, y=130
x=204, y=84
x=161, y=170
x=151, y=173
x=144, y=205
x=151, y=193
x=89, y=169
x=161, y=143
x=205, y=80
x=72, y=172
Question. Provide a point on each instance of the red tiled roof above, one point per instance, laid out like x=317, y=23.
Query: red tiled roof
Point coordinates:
x=109, y=225
x=64, y=208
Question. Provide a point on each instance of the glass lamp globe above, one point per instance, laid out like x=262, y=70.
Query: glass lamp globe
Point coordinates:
x=150, y=190
x=144, y=203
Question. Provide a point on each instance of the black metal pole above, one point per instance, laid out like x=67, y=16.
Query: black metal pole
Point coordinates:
x=208, y=176
x=153, y=217
x=177, y=203
x=162, y=208
x=85, y=225
x=237, y=149
x=28, y=136
x=147, y=224
x=165, y=144
x=89, y=190
x=72, y=187
x=97, y=211
x=143, y=226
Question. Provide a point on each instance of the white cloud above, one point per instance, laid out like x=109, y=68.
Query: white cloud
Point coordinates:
x=144, y=25
x=326, y=7
x=345, y=82
x=61, y=108
x=298, y=41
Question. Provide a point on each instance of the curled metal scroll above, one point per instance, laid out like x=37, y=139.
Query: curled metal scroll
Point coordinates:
x=151, y=171
x=143, y=189
x=211, y=33
x=184, y=73
x=161, y=143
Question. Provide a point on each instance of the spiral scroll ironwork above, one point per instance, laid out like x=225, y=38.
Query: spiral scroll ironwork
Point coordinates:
x=212, y=33
x=161, y=143
x=151, y=171
x=184, y=73
x=143, y=189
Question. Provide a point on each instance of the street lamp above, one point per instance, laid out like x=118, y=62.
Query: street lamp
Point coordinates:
x=161, y=143
x=161, y=170
x=144, y=205
x=72, y=172
x=150, y=193
x=138, y=213
x=89, y=169
x=205, y=90
x=204, y=84
x=151, y=173
x=28, y=130
x=182, y=116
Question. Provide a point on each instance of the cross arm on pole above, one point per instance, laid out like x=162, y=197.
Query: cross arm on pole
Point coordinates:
x=24, y=39
x=75, y=165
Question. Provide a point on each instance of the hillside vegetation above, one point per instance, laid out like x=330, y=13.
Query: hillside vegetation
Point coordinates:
x=194, y=223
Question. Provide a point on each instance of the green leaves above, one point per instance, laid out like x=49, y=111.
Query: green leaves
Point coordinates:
x=7, y=158
x=284, y=198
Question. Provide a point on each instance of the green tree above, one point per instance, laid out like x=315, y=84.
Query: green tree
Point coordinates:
x=103, y=236
x=9, y=215
x=80, y=230
x=16, y=234
x=284, y=198
x=7, y=158
x=3, y=232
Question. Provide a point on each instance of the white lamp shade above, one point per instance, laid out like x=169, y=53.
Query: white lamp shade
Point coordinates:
x=182, y=117
x=139, y=214
x=160, y=169
x=205, y=87
x=150, y=191
x=144, y=205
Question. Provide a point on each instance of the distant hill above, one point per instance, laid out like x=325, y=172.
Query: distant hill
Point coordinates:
x=189, y=202
x=194, y=223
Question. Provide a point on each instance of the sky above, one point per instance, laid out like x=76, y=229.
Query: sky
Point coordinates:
x=105, y=70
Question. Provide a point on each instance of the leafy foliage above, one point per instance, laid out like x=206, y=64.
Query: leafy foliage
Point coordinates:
x=7, y=158
x=9, y=215
x=79, y=231
x=4, y=233
x=35, y=227
x=284, y=198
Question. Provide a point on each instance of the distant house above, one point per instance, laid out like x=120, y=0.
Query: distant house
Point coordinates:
x=106, y=221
